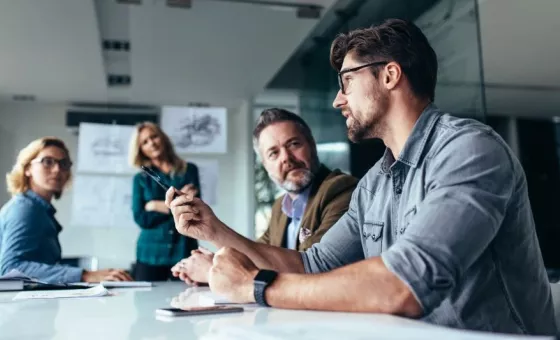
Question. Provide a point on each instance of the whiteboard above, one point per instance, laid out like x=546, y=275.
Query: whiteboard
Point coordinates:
x=102, y=201
x=195, y=129
x=103, y=148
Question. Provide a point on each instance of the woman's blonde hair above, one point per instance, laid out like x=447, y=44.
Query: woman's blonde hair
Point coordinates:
x=16, y=179
x=137, y=157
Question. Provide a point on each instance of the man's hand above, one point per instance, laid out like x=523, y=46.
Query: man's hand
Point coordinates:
x=194, y=269
x=106, y=275
x=232, y=276
x=189, y=189
x=192, y=216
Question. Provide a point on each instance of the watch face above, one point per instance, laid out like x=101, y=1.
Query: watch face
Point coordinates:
x=265, y=276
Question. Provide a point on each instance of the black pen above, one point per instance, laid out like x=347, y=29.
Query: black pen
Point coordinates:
x=155, y=177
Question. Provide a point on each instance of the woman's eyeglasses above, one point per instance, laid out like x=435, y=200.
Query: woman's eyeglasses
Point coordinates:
x=49, y=162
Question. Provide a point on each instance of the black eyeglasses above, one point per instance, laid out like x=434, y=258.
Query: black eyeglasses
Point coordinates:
x=49, y=162
x=354, y=69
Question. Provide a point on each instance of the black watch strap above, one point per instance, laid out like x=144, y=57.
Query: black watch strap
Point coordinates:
x=262, y=280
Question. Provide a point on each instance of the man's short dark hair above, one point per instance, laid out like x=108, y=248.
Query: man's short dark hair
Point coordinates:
x=276, y=115
x=394, y=40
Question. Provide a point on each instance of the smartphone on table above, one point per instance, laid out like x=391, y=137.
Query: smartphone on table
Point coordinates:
x=190, y=311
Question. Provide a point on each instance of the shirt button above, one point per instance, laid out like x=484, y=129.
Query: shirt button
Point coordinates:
x=169, y=246
x=170, y=232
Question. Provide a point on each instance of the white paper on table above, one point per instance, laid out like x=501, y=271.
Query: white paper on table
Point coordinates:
x=103, y=148
x=102, y=201
x=196, y=129
x=96, y=291
x=208, y=172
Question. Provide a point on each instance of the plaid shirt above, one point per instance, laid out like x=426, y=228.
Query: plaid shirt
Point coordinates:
x=159, y=243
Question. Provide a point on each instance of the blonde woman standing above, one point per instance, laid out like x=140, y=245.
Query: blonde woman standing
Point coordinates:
x=159, y=245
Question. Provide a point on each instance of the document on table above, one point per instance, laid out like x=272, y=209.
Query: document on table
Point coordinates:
x=96, y=291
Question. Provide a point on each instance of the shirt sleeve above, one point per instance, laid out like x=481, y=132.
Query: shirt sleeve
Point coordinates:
x=19, y=242
x=144, y=219
x=469, y=183
x=340, y=245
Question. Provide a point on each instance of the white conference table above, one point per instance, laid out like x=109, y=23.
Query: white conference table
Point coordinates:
x=130, y=314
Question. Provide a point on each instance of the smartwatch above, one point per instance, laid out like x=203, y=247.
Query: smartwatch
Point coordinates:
x=261, y=281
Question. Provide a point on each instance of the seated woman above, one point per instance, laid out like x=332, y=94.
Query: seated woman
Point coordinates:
x=159, y=245
x=28, y=229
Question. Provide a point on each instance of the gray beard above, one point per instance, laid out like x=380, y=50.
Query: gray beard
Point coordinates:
x=296, y=188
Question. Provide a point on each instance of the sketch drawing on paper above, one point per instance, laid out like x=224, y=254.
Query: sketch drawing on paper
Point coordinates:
x=102, y=201
x=197, y=130
x=108, y=146
x=103, y=148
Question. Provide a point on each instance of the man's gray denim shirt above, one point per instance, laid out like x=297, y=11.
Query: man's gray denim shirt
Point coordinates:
x=451, y=218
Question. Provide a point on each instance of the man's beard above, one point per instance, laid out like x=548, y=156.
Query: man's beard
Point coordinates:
x=296, y=187
x=373, y=127
x=299, y=185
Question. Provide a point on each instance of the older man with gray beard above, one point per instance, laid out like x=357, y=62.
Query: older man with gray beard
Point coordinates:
x=315, y=198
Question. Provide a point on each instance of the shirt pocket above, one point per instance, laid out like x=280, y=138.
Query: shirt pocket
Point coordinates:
x=372, y=232
x=408, y=216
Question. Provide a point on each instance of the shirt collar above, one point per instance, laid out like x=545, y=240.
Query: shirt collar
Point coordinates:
x=296, y=207
x=416, y=142
x=37, y=199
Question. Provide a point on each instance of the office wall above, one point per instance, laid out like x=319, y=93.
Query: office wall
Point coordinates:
x=115, y=247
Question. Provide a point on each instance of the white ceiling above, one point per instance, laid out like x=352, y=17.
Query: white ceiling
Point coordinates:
x=215, y=52
x=50, y=49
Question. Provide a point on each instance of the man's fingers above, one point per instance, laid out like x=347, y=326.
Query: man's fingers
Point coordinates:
x=184, y=277
x=205, y=251
x=169, y=196
x=181, y=200
x=186, y=209
x=188, y=217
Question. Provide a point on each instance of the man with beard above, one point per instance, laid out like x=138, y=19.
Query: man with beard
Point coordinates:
x=315, y=198
x=440, y=228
